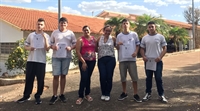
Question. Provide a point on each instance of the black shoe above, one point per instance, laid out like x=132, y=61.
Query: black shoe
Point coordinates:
x=23, y=99
x=38, y=101
x=146, y=97
x=53, y=100
x=62, y=98
x=137, y=98
x=122, y=96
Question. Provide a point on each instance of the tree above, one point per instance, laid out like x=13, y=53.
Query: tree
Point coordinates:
x=17, y=59
x=141, y=25
x=188, y=16
x=178, y=35
x=115, y=23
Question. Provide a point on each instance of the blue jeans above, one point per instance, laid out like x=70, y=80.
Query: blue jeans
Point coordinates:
x=85, y=78
x=158, y=78
x=106, y=67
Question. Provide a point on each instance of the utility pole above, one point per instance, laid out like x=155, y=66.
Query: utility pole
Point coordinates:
x=193, y=25
x=59, y=11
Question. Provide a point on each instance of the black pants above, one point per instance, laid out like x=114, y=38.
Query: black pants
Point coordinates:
x=34, y=69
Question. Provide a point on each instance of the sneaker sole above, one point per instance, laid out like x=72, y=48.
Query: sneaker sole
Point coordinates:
x=53, y=102
x=38, y=103
x=123, y=98
x=137, y=100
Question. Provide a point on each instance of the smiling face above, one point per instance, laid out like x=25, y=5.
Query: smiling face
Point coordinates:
x=86, y=31
x=107, y=31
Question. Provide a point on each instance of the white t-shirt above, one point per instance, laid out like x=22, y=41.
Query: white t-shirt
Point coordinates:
x=130, y=40
x=39, y=54
x=153, y=45
x=67, y=37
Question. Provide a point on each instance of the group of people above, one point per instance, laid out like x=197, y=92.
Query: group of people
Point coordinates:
x=63, y=41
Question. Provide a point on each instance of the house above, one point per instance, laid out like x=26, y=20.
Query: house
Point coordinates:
x=109, y=14
x=16, y=23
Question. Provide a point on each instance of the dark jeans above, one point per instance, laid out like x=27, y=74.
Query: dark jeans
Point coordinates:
x=158, y=78
x=34, y=69
x=85, y=78
x=106, y=67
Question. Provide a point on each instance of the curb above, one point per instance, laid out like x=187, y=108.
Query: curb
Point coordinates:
x=8, y=81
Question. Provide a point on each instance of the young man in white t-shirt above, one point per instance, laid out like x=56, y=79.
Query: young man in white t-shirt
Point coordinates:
x=128, y=46
x=62, y=42
x=153, y=48
x=37, y=43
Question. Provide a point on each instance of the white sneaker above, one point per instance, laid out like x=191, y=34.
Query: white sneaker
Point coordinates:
x=107, y=98
x=103, y=97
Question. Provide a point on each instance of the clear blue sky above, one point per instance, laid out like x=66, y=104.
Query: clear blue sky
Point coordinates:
x=169, y=9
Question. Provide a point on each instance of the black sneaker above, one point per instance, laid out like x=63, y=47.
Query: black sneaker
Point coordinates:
x=23, y=99
x=123, y=96
x=163, y=99
x=137, y=98
x=62, y=98
x=53, y=100
x=38, y=101
x=146, y=97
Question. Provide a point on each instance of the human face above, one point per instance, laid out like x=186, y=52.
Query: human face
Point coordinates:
x=107, y=31
x=125, y=25
x=151, y=28
x=86, y=31
x=40, y=25
x=63, y=25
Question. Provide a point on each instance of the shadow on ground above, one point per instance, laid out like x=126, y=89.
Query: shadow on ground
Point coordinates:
x=181, y=88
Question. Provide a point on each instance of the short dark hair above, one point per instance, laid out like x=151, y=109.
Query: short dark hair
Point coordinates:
x=151, y=22
x=124, y=20
x=41, y=20
x=85, y=27
x=104, y=28
x=63, y=19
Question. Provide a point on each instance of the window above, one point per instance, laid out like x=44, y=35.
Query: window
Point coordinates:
x=6, y=48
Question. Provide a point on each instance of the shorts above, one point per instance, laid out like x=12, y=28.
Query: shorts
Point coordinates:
x=132, y=70
x=60, y=66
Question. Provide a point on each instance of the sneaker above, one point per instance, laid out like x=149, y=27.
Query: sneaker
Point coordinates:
x=23, y=99
x=38, y=101
x=53, y=100
x=62, y=98
x=107, y=98
x=137, y=98
x=122, y=96
x=146, y=97
x=163, y=99
x=103, y=97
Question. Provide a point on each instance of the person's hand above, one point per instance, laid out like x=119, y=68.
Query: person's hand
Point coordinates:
x=84, y=66
x=31, y=48
x=68, y=48
x=158, y=59
x=54, y=47
x=134, y=54
x=120, y=43
x=144, y=58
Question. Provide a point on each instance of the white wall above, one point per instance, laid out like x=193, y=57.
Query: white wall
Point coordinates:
x=9, y=33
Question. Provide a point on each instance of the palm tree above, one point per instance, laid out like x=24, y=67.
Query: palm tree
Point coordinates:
x=178, y=35
x=141, y=25
x=115, y=22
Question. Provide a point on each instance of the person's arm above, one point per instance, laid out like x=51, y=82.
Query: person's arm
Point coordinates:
x=78, y=52
x=136, y=51
x=27, y=44
x=164, y=51
x=52, y=40
x=73, y=42
x=97, y=44
x=46, y=41
x=137, y=42
x=142, y=50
